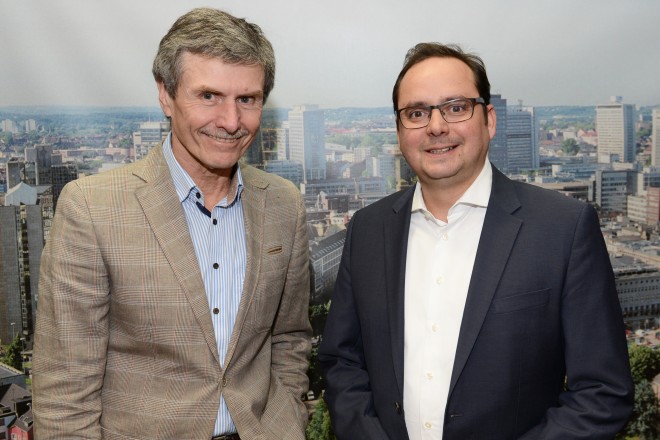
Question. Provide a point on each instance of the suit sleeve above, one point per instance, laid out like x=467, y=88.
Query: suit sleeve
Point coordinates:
x=292, y=331
x=72, y=326
x=598, y=397
x=348, y=392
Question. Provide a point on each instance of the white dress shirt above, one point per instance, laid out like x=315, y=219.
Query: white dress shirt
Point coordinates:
x=440, y=258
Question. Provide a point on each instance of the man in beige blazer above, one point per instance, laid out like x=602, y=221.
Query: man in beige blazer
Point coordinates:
x=131, y=339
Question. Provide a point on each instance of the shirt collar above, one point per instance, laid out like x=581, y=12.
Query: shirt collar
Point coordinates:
x=184, y=184
x=476, y=195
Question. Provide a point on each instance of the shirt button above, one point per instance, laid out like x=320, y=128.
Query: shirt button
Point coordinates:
x=434, y=328
x=444, y=236
x=439, y=280
x=216, y=265
x=215, y=221
x=427, y=425
x=429, y=376
x=198, y=195
x=216, y=310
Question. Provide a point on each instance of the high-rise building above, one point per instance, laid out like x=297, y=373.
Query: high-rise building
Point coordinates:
x=521, y=139
x=30, y=125
x=263, y=147
x=615, y=124
x=61, y=175
x=38, y=162
x=150, y=134
x=612, y=190
x=655, y=138
x=283, y=149
x=497, y=152
x=21, y=244
x=14, y=170
x=307, y=140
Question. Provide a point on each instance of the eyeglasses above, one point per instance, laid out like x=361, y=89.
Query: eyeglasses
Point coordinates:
x=455, y=110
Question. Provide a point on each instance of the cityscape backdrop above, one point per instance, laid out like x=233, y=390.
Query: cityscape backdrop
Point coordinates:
x=575, y=87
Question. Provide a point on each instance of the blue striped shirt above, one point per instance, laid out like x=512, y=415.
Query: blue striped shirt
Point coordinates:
x=219, y=240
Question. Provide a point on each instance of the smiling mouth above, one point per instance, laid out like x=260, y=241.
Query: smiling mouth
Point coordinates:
x=441, y=150
x=227, y=139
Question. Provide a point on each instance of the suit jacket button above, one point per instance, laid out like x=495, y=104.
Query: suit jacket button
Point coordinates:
x=397, y=407
x=224, y=381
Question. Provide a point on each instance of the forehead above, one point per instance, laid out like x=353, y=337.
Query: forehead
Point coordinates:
x=437, y=79
x=197, y=68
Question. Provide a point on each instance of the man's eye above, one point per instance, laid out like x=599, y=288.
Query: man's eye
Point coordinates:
x=207, y=96
x=250, y=102
x=457, y=107
x=417, y=113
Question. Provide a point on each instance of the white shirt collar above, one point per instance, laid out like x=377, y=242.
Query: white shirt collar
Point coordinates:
x=476, y=195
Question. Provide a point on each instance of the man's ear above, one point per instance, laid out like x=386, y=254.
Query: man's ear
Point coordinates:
x=165, y=99
x=491, y=121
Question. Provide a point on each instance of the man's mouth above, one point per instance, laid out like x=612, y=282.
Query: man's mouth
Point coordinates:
x=226, y=137
x=441, y=150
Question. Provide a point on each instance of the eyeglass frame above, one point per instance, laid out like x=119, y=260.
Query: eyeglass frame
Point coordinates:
x=474, y=101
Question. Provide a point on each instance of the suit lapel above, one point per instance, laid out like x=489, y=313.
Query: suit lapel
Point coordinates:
x=395, y=238
x=497, y=239
x=163, y=211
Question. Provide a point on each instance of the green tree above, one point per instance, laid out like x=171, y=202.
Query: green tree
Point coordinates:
x=319, y=427
x=315, y=373
x=644, y=366
x=570, y=147
x=318, y=313
x=13, y=356
x=644, y=363
x=645, y=417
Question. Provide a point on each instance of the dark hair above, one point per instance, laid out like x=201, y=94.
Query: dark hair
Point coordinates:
x=213, y=33
x=423, y=51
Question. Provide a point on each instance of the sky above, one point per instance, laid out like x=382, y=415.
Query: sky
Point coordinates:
x=341, y=53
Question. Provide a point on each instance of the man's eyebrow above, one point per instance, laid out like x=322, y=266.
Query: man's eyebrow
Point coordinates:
x=426, y=103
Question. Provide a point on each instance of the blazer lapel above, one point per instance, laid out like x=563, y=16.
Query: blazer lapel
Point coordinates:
x=396, y=226
x=497, y=238
x=163, y=211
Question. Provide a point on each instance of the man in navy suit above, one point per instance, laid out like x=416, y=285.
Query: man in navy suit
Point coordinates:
x=471, y=306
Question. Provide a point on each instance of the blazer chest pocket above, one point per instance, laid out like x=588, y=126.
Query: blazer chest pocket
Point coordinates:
x=521, y=301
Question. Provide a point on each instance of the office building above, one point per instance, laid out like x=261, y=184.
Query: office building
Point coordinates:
x=307, y=140
x=521, y=140
x=655, y=138
x=615, y=124
x=497, y=152
x=21, y=244
x=287, y=169
x=283, y=150
x=149, y=135
x=40, y=159
x=612, y=190
x=14, y=170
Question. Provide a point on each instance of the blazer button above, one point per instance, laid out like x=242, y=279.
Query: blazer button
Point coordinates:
x=224, y=381
x=397, y=407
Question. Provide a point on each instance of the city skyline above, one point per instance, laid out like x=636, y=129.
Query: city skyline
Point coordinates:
x=340, y=54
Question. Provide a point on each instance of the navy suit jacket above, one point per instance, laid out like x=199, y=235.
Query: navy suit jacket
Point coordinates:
x=541, y=352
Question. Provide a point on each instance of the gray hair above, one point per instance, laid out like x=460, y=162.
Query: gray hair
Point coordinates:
x=213, y=33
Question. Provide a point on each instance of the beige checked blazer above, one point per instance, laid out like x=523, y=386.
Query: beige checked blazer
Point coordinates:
x=124, y=345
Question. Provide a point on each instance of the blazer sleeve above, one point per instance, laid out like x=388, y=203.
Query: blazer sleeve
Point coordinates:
x=599, y=390
x=71, y=335
x=341, y=355
x=292, y=331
